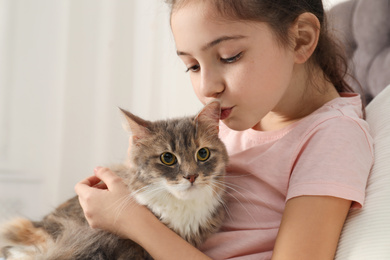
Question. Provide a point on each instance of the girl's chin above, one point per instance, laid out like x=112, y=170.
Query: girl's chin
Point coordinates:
x=234, y=125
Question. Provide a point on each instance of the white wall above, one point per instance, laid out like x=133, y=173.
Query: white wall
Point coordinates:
x=65, y=66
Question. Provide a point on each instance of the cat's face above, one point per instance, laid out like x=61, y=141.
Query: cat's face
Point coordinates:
x=182, y=156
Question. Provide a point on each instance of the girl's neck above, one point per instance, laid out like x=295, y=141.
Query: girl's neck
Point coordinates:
x=302, y=98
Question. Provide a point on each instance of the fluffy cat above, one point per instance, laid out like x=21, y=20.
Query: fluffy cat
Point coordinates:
x=177, y=170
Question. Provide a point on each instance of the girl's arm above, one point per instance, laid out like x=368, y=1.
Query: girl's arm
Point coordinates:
x=311, y=227
x=109, y=207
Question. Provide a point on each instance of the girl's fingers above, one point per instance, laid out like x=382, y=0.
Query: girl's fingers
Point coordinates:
x=86, y=184
x=93, y=181
x=107, y=176
x=102, y=180
x=101, y=185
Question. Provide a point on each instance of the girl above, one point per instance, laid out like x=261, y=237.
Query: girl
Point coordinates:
x=300, y=152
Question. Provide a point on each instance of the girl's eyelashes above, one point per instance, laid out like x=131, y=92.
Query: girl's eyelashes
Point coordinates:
x=194, y=68
x=232, y=59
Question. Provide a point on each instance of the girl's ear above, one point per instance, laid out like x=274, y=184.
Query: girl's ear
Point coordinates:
x=138, y=127
x=306, y=31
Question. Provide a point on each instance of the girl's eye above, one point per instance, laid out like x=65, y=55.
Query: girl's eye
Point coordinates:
x=232, y=59
x=194, y=68
x=203, y=154
x=168, y=158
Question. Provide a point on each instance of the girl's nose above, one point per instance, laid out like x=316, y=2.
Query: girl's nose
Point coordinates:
x=212, y=84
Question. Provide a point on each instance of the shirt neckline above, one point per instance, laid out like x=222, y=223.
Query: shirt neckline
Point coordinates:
x=344, y=99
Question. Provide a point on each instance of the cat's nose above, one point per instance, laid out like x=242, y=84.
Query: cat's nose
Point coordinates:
x=191, y=178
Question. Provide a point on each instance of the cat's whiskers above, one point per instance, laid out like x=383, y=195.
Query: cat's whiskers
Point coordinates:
x=237, y=176
x=125, y=200
x=254, y=194
x=151, y=190
x=227, y=185
x=121, y=204
x=211, y=186
x=134, y=192
x=226, y=205
x=118, y=203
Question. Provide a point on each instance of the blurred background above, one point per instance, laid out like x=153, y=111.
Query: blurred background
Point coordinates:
x=65, y=67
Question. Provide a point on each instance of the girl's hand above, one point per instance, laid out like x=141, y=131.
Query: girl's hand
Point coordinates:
x=107, y=203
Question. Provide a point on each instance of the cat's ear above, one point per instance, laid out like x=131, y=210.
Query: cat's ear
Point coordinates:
x=209, y=116
x=138, y=127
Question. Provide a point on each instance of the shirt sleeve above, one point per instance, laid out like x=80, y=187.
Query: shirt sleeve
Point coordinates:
x=334, y=159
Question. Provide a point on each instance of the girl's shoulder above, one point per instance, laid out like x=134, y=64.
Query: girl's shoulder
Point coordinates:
x=340, y=116
x=348, y=104
x=339, y=119
x=334, y=153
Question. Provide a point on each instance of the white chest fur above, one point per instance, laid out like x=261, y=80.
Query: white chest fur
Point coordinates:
x=184, y=216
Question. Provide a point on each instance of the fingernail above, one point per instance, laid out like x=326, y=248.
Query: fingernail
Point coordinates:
x=97, y=169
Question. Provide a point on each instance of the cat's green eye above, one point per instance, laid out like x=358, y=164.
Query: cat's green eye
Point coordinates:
x=203, y=154
x=168, y=158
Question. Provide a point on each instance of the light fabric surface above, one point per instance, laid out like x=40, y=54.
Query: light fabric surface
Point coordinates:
x=366, y=234
x=363, y=26
x=328, y=153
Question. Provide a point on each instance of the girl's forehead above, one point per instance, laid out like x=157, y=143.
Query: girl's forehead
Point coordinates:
x=202, y=24
x=200, y=9
x=194, y=19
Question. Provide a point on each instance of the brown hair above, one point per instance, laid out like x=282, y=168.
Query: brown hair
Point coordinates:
x=280, y=15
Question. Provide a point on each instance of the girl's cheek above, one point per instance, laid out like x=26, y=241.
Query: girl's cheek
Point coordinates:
x=201, y=98
x=195, y=86
x=197, y=93
x=195, y=82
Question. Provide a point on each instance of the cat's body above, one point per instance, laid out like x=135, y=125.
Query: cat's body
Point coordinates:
x=177, y=171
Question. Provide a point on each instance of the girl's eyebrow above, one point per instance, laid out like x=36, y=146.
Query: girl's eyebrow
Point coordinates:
x=215, y=42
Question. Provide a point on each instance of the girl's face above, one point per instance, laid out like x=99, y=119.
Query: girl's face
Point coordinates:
x=239, y=62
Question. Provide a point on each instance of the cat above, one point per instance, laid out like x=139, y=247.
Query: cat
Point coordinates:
x=176, y=168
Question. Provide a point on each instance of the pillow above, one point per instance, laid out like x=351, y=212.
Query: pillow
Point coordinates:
x=364, y=28
x=366, y=233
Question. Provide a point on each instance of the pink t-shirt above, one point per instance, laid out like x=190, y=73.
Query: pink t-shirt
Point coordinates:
x=327, y=153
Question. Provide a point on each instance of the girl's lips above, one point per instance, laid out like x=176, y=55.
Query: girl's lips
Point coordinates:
x=225, y=112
